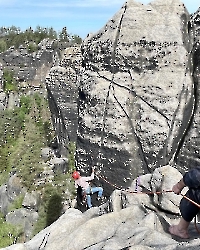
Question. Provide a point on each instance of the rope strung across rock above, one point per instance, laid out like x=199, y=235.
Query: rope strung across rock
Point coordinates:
x=151, y=192
x=133, y=192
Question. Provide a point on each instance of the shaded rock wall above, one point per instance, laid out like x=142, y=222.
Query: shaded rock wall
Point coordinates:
x=188, y=156
x=62, y=85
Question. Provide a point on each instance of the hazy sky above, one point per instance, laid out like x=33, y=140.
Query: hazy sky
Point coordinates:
x=79, y=16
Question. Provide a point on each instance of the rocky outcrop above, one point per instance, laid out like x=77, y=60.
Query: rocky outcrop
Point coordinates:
x=188, y=156
x=140, y=224
x=29, y=69
x=137, y=94
x=25, y=218
x=62, y=88
x=9, y=192
x=19, y=206
x=3, y=100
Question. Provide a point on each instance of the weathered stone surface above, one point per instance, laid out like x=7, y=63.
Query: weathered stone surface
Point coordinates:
x=138, y=110
x=136, y=226
x=31, y=200
x=3, y=100
x=62, y=91
x=164, y=178
x=59, y=164
x=135, y=92
x=13, y=100
x=19, y=246
x=10, y=191
x=188, y=156
x=24, y=218
x=26, y=74
x=47, y=153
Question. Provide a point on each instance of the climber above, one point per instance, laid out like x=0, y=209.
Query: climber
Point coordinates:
x=188, y=210
x=87, y=190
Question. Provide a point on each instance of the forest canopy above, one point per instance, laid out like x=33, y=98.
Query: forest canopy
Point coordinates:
x=14, y=36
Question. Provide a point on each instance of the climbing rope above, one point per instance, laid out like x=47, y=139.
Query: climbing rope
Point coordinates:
x=151, y=192
x=133, y=192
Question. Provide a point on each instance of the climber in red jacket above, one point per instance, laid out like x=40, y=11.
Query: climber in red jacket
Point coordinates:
x=84, y=183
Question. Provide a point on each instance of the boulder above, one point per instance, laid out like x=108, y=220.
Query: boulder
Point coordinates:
x=47, y=153
x=13, y=100
x=163, y=179
x=26, y=73
x=4, y=199
x=9, y=192
x=3, y=100
x=24, y=218
x=59, y=164
x=32, y=201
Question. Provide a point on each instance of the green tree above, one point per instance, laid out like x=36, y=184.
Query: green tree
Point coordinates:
x=63, y=35
x=3, y=45
x=52, y=33
x=9, y=234
x=75, y=39
x=25, y=155
x=9, y=83
x=54, y=208
x=32, y=47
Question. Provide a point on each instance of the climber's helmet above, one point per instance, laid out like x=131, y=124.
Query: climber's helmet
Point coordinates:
x=76, y=175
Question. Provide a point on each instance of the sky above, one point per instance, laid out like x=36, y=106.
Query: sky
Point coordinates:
x=79, y=16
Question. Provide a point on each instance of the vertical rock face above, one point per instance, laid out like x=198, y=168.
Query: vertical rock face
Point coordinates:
x=136, y=96
x=62, y=85
x=189, y=152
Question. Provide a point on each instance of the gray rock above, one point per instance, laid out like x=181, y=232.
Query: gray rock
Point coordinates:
x=164, y=178
x=47, y=153
x=135, y=92
x=14, y=187
x=189, y=152
x=59, y=164
x=4, y=199
x=62, y=90
x=9, y=192
x=3, y=101
x=141, y=225
x=138, y=114
x=32, y=200
x=116, y=201
x=26, y=73
x=24, y=218
x=19, y=246
x=13, y=100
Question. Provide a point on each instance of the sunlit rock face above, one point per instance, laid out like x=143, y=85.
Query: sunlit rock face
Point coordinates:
x=136, y=96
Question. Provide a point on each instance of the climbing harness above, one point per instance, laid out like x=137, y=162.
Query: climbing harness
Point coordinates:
x=151, y=192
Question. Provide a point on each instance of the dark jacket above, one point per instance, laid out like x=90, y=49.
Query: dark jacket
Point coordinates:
x=192, y=180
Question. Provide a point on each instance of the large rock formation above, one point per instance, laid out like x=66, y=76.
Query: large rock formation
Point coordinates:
x=189, y=151
x=29, y=70
x=142, y=223
x=137, y=93
x=62, y=85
